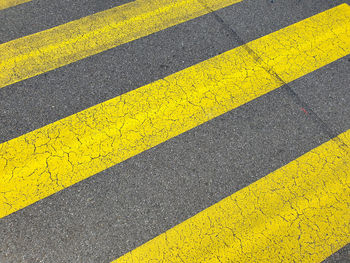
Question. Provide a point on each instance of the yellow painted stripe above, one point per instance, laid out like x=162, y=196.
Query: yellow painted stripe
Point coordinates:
x=42, y=162
x=299, y=213
x=9, y=3
x=44, y=51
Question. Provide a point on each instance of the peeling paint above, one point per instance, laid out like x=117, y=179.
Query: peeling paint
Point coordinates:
x=49, y=159
x=299, y=213
x=44, y=51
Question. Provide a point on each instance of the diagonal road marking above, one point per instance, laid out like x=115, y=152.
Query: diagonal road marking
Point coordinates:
x=9, y=3
x=299, y=213
x=44, y=51
x=49, y=159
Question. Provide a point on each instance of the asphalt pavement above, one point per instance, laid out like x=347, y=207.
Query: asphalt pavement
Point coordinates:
x=104, y=216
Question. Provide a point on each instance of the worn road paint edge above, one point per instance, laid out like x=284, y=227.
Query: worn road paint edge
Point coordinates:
x=47, y=50
x=47, y=160
x=10, y=3
x=299, y=213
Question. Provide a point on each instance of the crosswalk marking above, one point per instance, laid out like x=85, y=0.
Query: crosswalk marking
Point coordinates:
x=299, y=213
x=9, y=3
x=47, y=160
x=44, y=51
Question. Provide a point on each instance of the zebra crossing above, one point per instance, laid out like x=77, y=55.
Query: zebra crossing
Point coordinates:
x=41, y=163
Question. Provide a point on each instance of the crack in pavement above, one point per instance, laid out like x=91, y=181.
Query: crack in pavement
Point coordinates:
x=299, y=212
x=67, y=151
x=290, y=92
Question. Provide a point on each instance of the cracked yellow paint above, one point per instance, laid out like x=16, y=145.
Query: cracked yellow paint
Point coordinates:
x=299, y=213
x=9, y=3
x=44, y=51
x=47, y=160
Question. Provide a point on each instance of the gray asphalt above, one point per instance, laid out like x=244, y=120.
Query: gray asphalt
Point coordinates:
x=119, y=209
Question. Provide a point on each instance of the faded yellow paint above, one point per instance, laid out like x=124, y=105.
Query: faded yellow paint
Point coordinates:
x=44, y=51
x=299, y=213
x=9, y=3
x=47, y=160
